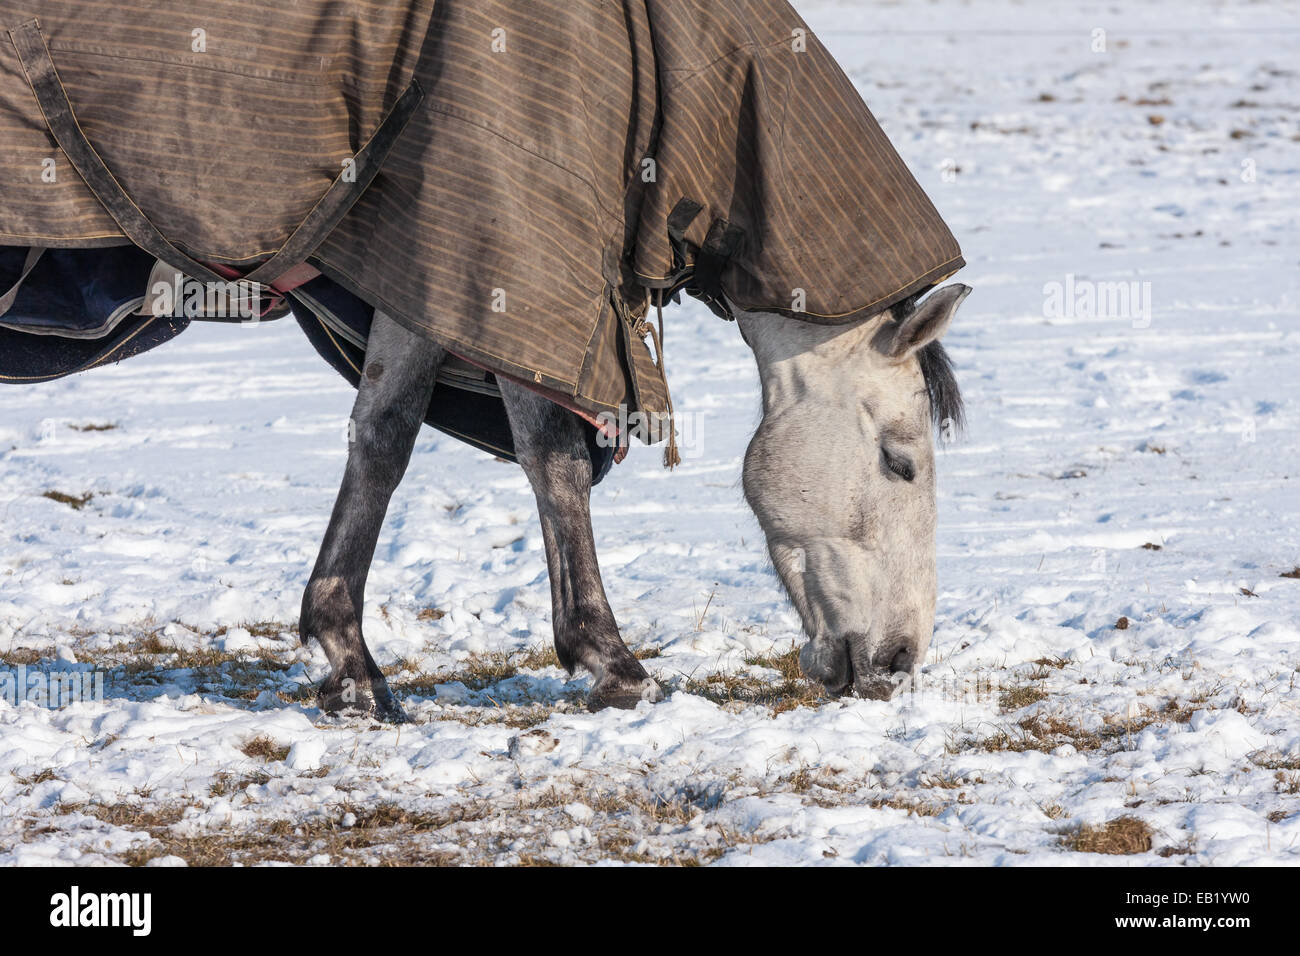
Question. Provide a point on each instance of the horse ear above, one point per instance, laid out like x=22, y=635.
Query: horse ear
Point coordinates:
x=926, y=323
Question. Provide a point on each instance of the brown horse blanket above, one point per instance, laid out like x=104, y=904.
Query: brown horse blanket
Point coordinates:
x=512, y=179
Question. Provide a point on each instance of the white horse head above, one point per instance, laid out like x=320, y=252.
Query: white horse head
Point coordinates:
x=841, y=476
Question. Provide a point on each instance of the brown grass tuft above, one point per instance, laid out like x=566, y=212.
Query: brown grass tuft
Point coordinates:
x=1017, y=698
x=75, y=502
x=1121, y=836
x=790, y=691
x=25, y=655
x=266, y=748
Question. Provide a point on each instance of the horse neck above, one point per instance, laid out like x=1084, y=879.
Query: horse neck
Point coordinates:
x=800, y=360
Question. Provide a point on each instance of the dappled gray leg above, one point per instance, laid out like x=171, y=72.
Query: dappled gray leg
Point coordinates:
x=396, y=384
x=551, y=446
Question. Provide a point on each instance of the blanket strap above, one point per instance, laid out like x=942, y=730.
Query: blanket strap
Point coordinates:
x=356, y=176
x=672, y=457
x=703, y=279
x=8, y=298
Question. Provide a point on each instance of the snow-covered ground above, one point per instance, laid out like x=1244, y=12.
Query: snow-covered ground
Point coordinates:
x=1135, y=469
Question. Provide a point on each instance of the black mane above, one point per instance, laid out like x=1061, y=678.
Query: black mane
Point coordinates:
x=946, y=404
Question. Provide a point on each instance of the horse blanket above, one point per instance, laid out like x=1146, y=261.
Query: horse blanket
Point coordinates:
x=516, y=181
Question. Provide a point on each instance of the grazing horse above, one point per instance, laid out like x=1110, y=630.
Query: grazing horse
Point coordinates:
x=840, y=474
x=504, y=186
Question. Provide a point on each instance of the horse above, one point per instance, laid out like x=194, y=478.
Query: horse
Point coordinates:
x=507, y=201
x=840, y=474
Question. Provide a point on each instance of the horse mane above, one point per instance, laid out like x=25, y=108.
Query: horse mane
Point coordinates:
x=946, y=403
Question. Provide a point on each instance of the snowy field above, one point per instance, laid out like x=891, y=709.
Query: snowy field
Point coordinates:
x=1118, y=635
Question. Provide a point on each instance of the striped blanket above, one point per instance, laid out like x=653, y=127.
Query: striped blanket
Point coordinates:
x=515, y=180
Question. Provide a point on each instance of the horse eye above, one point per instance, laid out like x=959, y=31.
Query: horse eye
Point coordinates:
x=899, y=465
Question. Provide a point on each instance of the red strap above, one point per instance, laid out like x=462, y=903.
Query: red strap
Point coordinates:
x=289, y=280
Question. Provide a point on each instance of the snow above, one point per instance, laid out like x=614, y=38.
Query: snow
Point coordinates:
x=1123, y=466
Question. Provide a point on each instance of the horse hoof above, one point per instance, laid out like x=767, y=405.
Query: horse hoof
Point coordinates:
x=390, y=712
x=376, y=703
x=624, y=695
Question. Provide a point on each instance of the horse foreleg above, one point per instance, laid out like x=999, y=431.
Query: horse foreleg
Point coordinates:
x=551, y=446
x=396, y=383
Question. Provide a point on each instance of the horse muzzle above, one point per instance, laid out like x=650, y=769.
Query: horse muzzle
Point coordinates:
x=831, y=661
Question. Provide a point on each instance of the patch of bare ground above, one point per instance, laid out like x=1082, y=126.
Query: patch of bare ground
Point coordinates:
x=385, y=833
x=1121, y=836
x=634, y=826
x=477, y=672
x=788, y=691
x=238, y=675
x=514, y=716
x=482, y=672
x=1046, y=732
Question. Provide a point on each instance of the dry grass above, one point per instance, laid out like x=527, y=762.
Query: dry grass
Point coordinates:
x=391, y=834
x=25, y=656
x=745, y=689
x=1286, y=782
x=38, y=777
x=920, y=808
x=1121, y=836
x=1046, y=732
x=149, y=657
x=225, y=784
x=477, y=672
x=944, y=782
x=481, y=672
x=383, y=834
x=1017, y=698
x=1275, y=761
x=1187, y=848
x=790, y=690
x=132, y=816
x=75, y=502
x=514, y=716
x=266, y=748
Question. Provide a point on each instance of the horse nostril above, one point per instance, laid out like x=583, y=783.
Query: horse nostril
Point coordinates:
x=901, y=663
